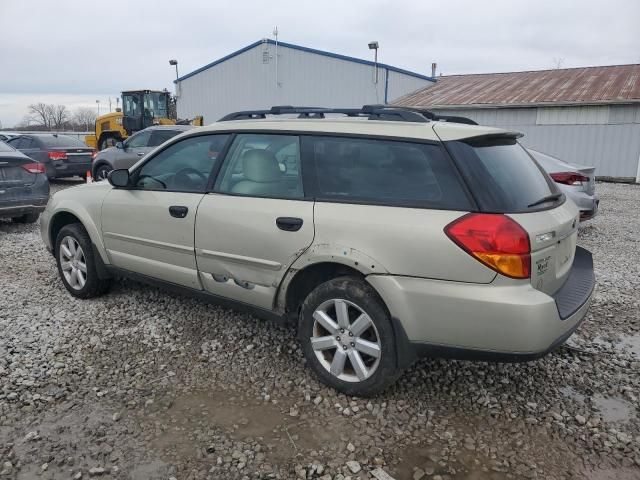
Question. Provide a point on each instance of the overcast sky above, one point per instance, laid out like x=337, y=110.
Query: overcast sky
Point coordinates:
x=74, y=52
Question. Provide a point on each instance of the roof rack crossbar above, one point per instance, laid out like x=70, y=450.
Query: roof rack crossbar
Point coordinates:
x=371, y=112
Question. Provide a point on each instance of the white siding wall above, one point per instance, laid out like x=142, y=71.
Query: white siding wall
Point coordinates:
x=401, y=84
x=607, y=137
x=247, y=82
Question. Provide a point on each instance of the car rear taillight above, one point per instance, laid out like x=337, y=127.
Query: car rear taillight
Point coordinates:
x=34, y=167
x=569, y=178
x=496, y=240
x=57, y=155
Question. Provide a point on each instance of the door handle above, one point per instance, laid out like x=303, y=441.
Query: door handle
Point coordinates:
x=289, y=224
x=140, y=154
x=178, y=211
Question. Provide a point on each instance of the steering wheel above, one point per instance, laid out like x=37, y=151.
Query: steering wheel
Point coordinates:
x=182, y=176
x=164, y=185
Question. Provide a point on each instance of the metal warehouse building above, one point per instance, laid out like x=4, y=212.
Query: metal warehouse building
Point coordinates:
x=582, y=115
x=267, y=73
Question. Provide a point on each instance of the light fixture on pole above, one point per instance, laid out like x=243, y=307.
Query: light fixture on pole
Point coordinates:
x=174, y=62
x=98, y=103
x=374, y=46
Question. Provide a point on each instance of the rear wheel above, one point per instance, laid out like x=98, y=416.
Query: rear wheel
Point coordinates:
x=347, y=337
x=76, y=263
x=27, y=218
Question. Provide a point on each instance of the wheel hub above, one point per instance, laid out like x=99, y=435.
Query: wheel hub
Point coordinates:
x=345, y=340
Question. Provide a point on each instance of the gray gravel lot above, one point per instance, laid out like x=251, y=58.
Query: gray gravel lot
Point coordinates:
x=142, y=384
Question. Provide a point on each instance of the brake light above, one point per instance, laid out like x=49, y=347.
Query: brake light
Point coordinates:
x=34, y=167
x=569, y=178
x=496, y=240
x=57, y=155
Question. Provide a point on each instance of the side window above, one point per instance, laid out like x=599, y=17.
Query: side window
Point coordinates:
x=138, y=140
x=158, y=137
x=184, y=166
x=260, y=165
x=385, y=172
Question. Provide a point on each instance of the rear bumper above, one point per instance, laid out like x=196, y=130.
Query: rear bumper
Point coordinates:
x=16, y=202
x=22, y=208
x=65, y=169
x=587, y=204
x=485, y=322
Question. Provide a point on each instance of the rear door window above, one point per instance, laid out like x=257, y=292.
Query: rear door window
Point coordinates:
x=384, y=172
x=262, y=165
x=503, y=176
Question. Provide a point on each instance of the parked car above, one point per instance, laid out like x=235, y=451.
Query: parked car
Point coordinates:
x=126, y=154
x=578, y=182
x=24, y=188
x=62, y=155
x=378, y=242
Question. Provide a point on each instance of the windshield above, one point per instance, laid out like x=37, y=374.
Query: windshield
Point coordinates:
x=502, y=174
x=155, y=104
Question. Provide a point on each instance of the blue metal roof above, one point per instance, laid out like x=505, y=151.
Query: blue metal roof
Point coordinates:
x=309, y=50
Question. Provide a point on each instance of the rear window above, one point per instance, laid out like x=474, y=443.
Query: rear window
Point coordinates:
x=62, y=141
x=385, y=172
x=503, y=176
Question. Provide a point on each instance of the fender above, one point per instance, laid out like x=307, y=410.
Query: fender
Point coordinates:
x=83, y=203
x=327, y=253
x=336, y=253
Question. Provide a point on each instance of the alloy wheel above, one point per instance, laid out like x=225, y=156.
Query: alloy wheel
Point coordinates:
x=73, y=263
x=345, y=340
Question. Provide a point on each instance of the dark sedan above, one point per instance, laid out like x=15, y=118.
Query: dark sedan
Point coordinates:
x=24, y=188
x=62, y=155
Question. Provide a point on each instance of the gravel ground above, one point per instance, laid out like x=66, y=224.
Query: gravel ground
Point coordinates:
x=141, y=384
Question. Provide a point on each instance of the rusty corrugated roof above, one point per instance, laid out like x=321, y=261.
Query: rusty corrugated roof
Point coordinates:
x=618, y=83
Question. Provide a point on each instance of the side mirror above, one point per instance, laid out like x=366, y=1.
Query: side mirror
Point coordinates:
x=119, y=178
x=120, y=145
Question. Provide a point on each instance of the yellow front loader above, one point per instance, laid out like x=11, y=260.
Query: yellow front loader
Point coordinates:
x=140, y=109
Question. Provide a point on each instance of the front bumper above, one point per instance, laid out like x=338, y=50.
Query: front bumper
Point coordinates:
x=486, y=321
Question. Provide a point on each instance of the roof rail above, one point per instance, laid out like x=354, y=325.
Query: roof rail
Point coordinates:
x=371, y=112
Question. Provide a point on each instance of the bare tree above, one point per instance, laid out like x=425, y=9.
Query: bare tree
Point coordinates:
x=84, y=117
x=40, y=114
x=58, y=115
x=558, y=62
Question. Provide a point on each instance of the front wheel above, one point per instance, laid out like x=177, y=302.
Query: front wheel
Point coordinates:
x=102, y=172
x=76, y=263
x=347, y=337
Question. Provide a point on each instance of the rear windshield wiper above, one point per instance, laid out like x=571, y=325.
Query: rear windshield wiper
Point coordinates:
x=548, y=198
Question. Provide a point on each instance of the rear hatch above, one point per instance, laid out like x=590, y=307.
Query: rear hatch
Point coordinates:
x=504, y=179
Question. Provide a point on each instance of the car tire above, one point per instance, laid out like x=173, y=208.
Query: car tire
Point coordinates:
x=347, y=337
x=27, y=218
x=78, y=270
x=101, y=172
